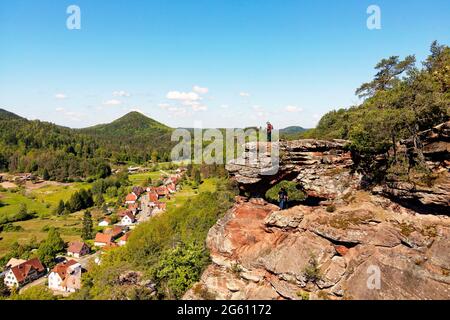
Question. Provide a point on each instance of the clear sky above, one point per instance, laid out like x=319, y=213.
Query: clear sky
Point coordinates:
x=224, y=63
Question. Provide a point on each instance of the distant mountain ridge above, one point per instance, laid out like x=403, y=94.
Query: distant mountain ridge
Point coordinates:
x=63, y=153
x=7, y=115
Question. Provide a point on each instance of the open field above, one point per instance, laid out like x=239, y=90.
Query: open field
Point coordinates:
x=42, y=200
x=68, y=227
x=178, y=199
x=139, y=178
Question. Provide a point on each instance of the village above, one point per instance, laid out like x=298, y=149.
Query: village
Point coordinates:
x=64, y=278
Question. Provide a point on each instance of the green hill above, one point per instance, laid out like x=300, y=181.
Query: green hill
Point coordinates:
x=6, y=115
x=62, y=153
x=132, y=123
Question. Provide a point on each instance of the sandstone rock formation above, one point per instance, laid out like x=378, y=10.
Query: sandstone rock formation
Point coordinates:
x=433, y=189
x=363, y=246
x=306, y=252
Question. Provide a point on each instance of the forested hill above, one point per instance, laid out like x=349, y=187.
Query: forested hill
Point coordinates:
x=134, y=137
x=62, y=153
x=6, y=115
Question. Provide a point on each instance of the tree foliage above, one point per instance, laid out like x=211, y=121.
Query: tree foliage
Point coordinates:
x=50, y=247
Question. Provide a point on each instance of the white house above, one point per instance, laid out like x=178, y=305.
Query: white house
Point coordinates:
x=128, y=219
x=23, y=273
x=104, y=223
x=65, y=277
x=123, y=240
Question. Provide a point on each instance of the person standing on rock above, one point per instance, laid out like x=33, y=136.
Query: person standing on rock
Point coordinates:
x=269, y=131
x=283, y=198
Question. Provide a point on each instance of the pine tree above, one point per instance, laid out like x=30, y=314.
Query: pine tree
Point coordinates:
x=60, y=209
x=49, y=248
x=45, y=175
x=99, y=200
x=87, y=230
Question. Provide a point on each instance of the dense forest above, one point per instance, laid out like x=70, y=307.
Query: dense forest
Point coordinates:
x=63, y=154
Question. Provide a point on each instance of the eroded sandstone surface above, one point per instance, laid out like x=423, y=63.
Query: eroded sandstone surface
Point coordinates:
x=259, y=252
x=353, y=244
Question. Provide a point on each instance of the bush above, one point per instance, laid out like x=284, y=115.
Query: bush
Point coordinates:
x=9, y=227
x=312, y=270
x=292, y=188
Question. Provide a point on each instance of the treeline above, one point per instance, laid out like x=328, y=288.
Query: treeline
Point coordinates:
x=79, y=200
x=50, y=151
x=63, y=154
x=402, y=100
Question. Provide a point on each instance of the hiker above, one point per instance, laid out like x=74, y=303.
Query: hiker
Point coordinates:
x=283, y=198
x=269, y=131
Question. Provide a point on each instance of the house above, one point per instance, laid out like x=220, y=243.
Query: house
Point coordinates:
x=162, y=191
x=24, y=273
x=160, y=207
x=114, y=232
x=172, y=188
x=77, y=249
x=123, y=240
x=65, y=276
x=153, y=197
x=104, y=222
x=131, y=198
x=128, y=219
x=134, y=208
x=14, y=262
x=133, y=170
x=138, y=191
x=102, y=239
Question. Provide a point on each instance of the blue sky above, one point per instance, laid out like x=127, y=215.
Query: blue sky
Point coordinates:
x=216, y=63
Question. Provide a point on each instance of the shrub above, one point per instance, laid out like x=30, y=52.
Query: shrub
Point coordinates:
x=292, y=188
x=312, y=270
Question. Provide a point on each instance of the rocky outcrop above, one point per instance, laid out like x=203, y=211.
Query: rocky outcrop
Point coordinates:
x=429, y=190
x=321, y=167
x=363, y=245
x=306, y=252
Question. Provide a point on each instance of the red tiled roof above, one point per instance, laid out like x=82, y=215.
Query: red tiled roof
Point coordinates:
x=162, y=205
x=125, y=236
x=131, y=197
x=123, y=213
x=152, y=196
x=103, y=238
x=22, y=270
x=76, y=247
x=131, y=216
x=61, y=268
x=113, y=232
x=162, y=191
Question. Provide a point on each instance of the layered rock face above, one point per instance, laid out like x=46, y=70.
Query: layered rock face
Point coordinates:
x=321, y=167
x=369, y=248
x=434, y=191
